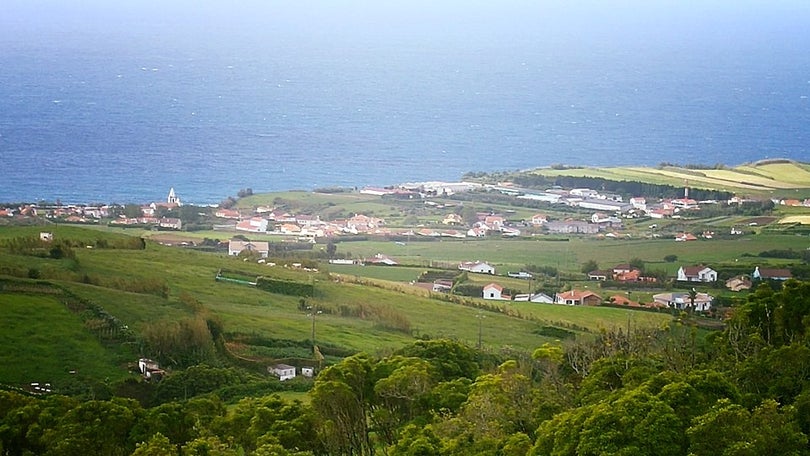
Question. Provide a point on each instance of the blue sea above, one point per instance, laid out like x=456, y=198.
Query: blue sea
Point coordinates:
x=118, y=101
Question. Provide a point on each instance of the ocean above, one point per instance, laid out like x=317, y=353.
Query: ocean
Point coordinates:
x=118, y=103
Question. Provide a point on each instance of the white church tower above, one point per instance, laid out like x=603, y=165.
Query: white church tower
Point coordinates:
x=173, y=198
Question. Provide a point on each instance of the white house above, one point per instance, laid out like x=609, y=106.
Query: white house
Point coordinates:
x=171, y=223
x=237, y=246
x=604, y=205
x=381, y=259
x=696, y=274
x=478, y=231
x=682, y=301
x=493, y=291
x=639, y=202
x=45, y=236
x=442, y=285
x=150, y=370
x=308, y=372
x=539, y=219
x=476, y=266
x=253, y=225
x=520, y=275
x=282, y=371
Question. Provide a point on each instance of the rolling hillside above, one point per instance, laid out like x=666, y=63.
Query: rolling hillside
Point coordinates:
x=148, y=290
x=767, y=177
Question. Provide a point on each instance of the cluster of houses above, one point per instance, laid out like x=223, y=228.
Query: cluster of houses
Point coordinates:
x=700, y=302
x=149, y=214
x=620, y=273
x=267, y=220
x=71, y=213
x=696, y=301
x=706, y=274
x=609, y=212
x=88, y=214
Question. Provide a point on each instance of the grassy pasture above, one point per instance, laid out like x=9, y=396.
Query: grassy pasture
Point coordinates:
x=43, y=341
x=395, y=274
x=512, y=254
x=795, y=173
x=801, y=219
x=763, y=179
x=245, y=309
x=329, y=204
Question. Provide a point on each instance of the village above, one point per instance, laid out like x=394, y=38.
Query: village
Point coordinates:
x=570, y=212
x=595, y=213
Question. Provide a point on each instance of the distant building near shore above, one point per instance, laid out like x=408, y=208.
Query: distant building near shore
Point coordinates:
x=173, y=199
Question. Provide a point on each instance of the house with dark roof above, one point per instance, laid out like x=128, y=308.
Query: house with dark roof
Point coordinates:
x=282, y=371
x=696, y=274
x=771, y=274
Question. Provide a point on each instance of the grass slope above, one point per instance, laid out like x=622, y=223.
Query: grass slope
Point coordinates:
x=248, y=311
x=42, y=341
x=768, y=178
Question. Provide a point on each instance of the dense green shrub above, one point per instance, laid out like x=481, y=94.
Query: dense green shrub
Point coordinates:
x=285, y=287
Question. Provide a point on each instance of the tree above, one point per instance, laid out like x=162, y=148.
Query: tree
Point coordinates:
x=331, y=249
x=671, y=258
x=469, y=214
x=341, y=398
x=450, y=359
x=417, y=441
x=730, y=429
x=208, y=446
x=158, y=445
x=95, y=427
x=132, y=211
x=588, y=266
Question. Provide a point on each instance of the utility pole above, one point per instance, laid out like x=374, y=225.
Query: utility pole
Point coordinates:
x=480, y=318
x=313, y=328
x=313, y=312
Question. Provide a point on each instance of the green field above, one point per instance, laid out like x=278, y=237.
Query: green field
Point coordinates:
x=363, y=308
x=43, y=342
x=788, y=179
x=512, y=254
x=246, y=310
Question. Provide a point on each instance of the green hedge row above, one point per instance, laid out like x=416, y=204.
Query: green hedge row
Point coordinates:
x=286, y=287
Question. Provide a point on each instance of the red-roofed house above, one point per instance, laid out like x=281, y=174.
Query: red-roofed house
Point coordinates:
x=493, y=291
x=494, y=222
x=680, y=237
x=227, y=214
x=620, y=300
x=578, y=298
